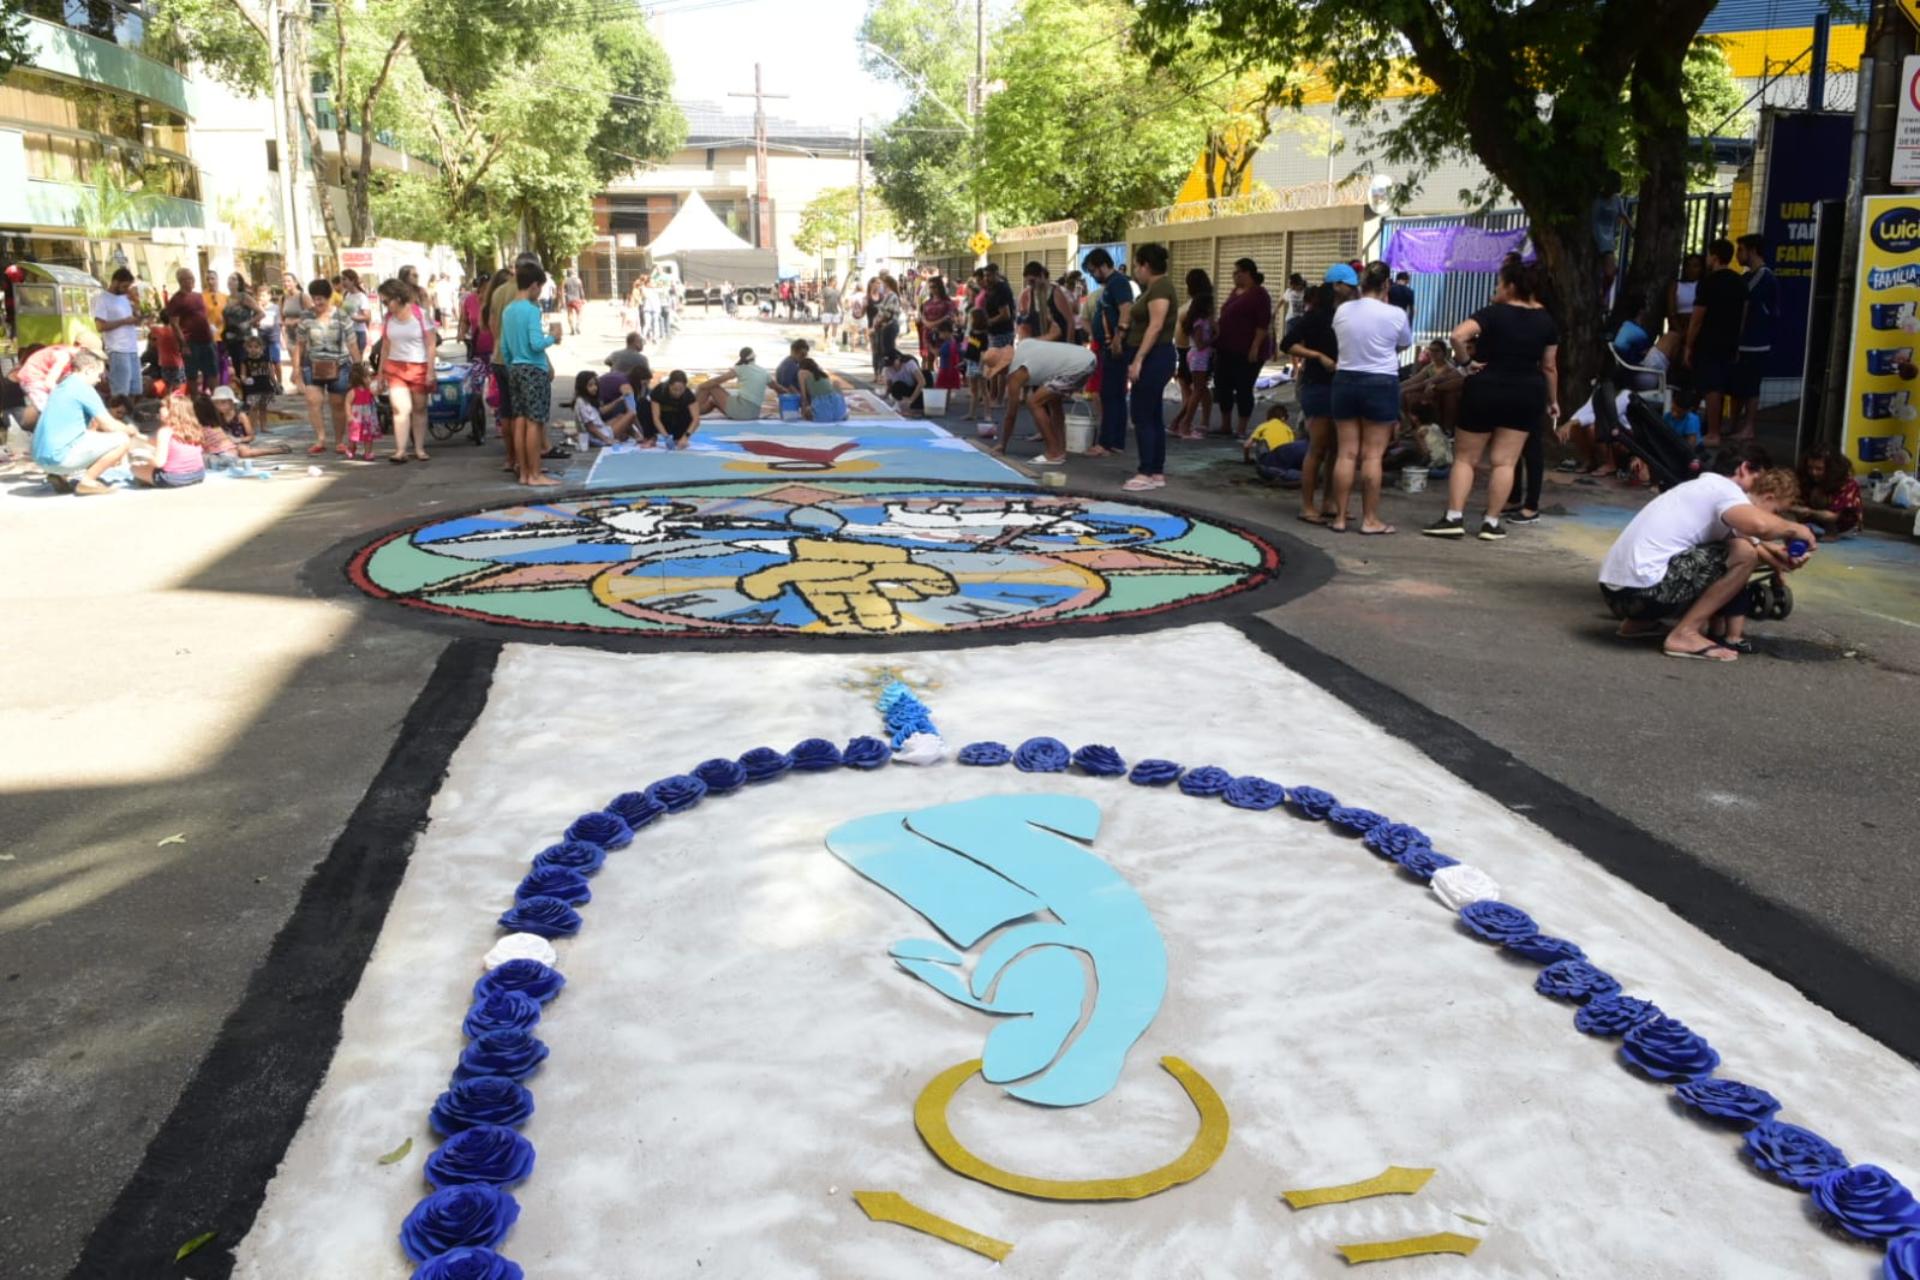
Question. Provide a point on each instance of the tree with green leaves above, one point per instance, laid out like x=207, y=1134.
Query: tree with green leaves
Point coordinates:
x=832, y=219
x=1534, y=90
x=13, y=36
x=923, y=161
x=365, y=42
x=107, y=208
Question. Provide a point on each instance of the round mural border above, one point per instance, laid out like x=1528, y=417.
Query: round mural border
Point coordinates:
x=1290, y=568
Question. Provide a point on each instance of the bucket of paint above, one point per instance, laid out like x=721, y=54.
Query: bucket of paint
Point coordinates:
x=936, y=401
x=789, y=408
x=1413, y=479
x=1079, y=436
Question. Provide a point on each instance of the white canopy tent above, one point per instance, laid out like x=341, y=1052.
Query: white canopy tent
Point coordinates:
x=696, y=228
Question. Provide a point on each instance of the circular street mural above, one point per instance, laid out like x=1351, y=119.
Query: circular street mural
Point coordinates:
x=803, y=558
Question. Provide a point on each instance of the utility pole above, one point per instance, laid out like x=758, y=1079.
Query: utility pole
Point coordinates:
x=979, y=105
x=762, y=229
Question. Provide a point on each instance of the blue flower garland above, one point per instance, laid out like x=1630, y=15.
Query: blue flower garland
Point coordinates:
x=452, y=1232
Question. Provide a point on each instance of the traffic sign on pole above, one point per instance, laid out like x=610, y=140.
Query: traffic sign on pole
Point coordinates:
x=1911, y=8
x=1906, y=129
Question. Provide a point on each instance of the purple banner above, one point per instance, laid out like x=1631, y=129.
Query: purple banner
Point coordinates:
x=1438, y=250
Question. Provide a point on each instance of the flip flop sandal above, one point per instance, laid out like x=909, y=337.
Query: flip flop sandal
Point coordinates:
x=1698, y=655
x=1304, y=518
x=1743, y=647
x=1379, y=533
x=399, y=461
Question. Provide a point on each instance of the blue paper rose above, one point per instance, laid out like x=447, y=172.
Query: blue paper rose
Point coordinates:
x=1424, y=861
x=513, y=1054
x=481, y=1100
x=1392, y=840
x=1903, y=1259
x=470, y=1264
x=1729, y=1100
x=608, y=830
x=1101, y=762
x=573, y=855
x=1668, y=1049
x=489, y=1153
x=1250, y=792
x=815, y=755
x=1207, y=780
x=550, y=881
x=678, y=793
x=1497, y=921
x=1154, y=773
x=529, y=977
x=502, y=1011
x=1868, y=1201
x=984, y=755
x=1798, y=1157
x=1575, y=980
x=1042, y=755
x=1614, y=1015
x=1312, y=802
x=866, y=752
x=636, y=808
x=1357, y=821
x=469, y=1215
x=548, y=917
x=1544, y=949
x=721, y=775
x=764, y=764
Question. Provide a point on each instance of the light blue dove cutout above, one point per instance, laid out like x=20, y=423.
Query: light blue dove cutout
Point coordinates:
x=975, y=865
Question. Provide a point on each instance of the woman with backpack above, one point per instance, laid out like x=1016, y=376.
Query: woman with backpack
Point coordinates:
x=406, y=345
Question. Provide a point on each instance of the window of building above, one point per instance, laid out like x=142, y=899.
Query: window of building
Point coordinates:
x=121, y=22
x=69, y=128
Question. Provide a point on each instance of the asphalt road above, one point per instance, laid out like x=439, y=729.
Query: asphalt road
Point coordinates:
x=173, y=677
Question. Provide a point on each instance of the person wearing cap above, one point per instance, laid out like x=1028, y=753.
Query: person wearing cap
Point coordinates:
x=1242, y=345
x=233, y=415
x=1048, y=372
x=744, y=402
x=76, y=436
x=1366, y=396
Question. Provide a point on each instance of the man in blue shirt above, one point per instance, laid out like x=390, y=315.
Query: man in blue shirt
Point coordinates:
x=76, y=435
x=1756, y=333
x=1116, y=291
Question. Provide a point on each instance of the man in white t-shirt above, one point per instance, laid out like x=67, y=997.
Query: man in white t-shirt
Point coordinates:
x=1049, y=372
x=119, y=326
x=1692, y=551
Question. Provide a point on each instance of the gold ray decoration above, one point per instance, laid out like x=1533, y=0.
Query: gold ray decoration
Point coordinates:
x=891, y=1206
x=1396, y=1181
x=1381, y=1250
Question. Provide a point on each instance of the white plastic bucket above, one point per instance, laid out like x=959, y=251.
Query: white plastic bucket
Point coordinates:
x=1079, y=436
x=1413, y=479
x=936, y=401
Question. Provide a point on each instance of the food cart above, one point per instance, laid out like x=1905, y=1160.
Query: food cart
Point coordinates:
x=50, y=304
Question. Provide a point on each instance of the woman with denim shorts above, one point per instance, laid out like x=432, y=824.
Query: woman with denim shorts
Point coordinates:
x=1366, y=395
x=1310, y=339
x=324, y=352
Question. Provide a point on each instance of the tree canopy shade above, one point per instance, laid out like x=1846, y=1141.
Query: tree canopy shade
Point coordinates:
x=831, y=219
x=923, y=160
x=1533, y=88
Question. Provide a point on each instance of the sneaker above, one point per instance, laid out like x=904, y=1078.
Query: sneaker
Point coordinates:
x=1490, y=532
x=59, y=484
x=1519, y=517
x=1446, y=527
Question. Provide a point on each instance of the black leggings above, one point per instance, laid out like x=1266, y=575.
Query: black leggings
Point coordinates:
x=1534, y=458
x=1233, y=376
x=885, y=338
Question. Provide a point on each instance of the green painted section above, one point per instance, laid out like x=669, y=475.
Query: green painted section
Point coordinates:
x=1129, y=594
x=66, y=52
x=566, y=604
x=401, y=567
x=1215, y=543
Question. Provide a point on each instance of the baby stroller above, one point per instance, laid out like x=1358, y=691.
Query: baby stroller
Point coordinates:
x=459, y=401
x=1645, y=435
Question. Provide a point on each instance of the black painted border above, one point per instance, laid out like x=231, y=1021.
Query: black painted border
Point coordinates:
x=208, y=1167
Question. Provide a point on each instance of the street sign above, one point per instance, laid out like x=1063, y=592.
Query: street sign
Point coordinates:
x=979, y=242
x=1906, y=132
x=1911, y=8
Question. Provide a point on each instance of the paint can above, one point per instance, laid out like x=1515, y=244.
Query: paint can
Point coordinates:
x=1413, y=479
x=1079, y=435
x=1058, y=479
x=936, y=402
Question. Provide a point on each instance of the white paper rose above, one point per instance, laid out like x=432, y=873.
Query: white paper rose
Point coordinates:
x=1459, y=885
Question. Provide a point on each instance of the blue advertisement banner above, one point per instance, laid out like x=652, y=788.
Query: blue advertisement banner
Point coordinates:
x=1806, y=164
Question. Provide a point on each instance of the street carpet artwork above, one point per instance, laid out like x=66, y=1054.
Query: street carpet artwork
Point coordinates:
x=822, y=967
x=723, y=450
x=807, y=557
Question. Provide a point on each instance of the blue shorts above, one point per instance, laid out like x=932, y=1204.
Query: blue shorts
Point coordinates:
x=997, y=341
x=1368, y=397
x=1316, y=399
x=338, y=387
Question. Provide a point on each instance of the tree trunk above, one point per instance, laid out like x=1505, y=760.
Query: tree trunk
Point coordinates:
x=1570, y=266
x=1660, y=143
